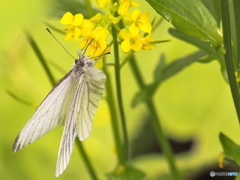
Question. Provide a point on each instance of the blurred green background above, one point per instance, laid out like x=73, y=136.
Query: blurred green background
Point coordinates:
x=195, y=105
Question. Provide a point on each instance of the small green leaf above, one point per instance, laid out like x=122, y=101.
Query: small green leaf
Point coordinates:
x=203, y=46
x=145, y=94
x=163, y=72
x=178, y=65
x=196, y=42
x=126, y=173
x=160, y=67
x=231, y=149
x=192, y=18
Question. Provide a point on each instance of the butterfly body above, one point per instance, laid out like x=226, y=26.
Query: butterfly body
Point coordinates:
x=72, y=103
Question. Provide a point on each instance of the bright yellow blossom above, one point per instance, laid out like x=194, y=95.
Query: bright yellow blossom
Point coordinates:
x=146, y=42
x=96, y=41
x=125, y=5
x=94, y=31
x=139, y=20
x=75, y=25
x=130, y=41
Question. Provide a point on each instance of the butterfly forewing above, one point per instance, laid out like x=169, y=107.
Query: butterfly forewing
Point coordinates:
x=48, y=114
x=80, y=117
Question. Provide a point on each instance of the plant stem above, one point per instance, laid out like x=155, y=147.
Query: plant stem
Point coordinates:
x=119, y=92
x=113, y=113
x=228, y=56
x=41, y=58
x=156, y=123
x=162, y=139
x=237, y=25
x=89, y=8
x=86, y=160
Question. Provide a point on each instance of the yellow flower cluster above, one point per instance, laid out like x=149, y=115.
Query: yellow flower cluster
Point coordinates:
x=95, y=31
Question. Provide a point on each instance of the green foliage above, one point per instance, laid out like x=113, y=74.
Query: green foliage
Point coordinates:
x=192, y=18
x=163, y=72
x=231, y=149
x=195, y=25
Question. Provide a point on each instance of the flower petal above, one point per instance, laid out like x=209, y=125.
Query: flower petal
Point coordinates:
x=145, y=16
x=137, y=46
x=77, y=33
x=136, y=14
x=133, y=29
x=67, y=18
x=125, y=45
x=147, y=27
x=78, y=18
x=124, y=34
x=69, y=35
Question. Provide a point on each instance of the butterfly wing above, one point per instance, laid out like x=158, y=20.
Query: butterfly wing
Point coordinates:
x=92, y=92
x=50, y=112
x=82, y=110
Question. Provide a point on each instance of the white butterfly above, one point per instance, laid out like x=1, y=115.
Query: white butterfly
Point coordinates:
x=73, y=103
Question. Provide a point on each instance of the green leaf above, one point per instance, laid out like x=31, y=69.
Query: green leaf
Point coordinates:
x=231, y=149
x=203, y=46
x=163, y=72
x=125, y=173
x=145, y=94
x=178, y=65
x=200, y=44
x=160, y=67
x=192, y=18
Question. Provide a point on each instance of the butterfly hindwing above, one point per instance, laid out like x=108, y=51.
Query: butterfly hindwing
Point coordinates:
x=80, y=117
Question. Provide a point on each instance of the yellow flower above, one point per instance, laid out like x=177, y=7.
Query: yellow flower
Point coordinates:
x=75, y=25
x=130, y=41
x=146, y=41
x=96, y=41
x=140, y=20
x=125, y=5
x=103, y=3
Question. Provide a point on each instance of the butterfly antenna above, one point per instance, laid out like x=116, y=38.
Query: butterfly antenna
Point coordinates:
x=102, y=54
x=60, y=43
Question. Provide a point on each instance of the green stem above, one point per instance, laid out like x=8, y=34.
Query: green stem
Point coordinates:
x=156, y=124
x=86, y=160
x=119, y=92
x=113, y=113
x=228, y=56
x=14, y=96
x=237, y=25
x=41, y=58
x=89, y=8
x=162, y=139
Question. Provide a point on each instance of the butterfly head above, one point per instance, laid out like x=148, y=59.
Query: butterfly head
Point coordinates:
x=84, y=62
